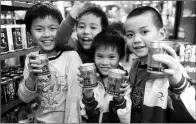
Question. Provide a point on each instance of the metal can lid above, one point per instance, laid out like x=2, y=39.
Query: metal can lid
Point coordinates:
x=12, y=75
x=4, y=82
x=83, y=66
x=4, y=78
x=116, y=72
x=16, y=77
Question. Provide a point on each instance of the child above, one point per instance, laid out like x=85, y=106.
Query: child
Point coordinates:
x=98, y=106
x=91, y=21
x=156, y=99
x=59, y=95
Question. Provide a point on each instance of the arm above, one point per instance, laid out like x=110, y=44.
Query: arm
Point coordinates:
x=65, y=31
x=182, y=102
x=120, y=110
x=67, y=26
x=91, y=110
x=27, y=88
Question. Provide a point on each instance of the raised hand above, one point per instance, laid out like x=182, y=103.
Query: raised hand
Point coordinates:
x=77, y=8
x=173, y=71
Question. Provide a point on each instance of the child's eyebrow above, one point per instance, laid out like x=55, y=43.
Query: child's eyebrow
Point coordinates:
x=143, y=27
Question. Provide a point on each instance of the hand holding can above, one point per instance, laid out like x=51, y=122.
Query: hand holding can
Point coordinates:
x=156, y=67
x=88, y=76
x=116, y=78
x=34, y=65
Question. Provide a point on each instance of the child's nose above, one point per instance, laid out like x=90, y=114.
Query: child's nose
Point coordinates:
x=87, y=30
x=46, y=33
x=137, y=38
x=105, y=61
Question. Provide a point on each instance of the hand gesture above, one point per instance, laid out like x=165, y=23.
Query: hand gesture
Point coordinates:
x=171, y=60
x=77, y=8
x=34, y=65
x=125, y=89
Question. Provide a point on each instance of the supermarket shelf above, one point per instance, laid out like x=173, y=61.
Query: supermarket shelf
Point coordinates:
x=17, y=53
x=7, y=107
x=15, y=5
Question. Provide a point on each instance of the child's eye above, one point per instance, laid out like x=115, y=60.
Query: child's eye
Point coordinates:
x=93, y=27
x=145, y=32
x=53, y=28
x=112, y=57
x=129, y=35
x=38, y=29
x=99, y=56
x=80, y=26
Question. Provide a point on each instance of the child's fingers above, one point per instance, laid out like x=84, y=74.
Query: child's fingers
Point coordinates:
x=97, y=74
x=123, y=89
x=80, y=79
x=167, y=60
x=170, y=50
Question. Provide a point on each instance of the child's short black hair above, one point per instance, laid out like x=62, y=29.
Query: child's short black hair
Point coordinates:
x=41, y=10
x=144, y=9
x=117, y=26
x=109, y=39
x=98, y=13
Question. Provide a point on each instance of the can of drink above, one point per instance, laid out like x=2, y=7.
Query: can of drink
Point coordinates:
x=4, y=40
x=44, y=61
x=17, y=37
x=88, y=73
x=4, y=95
x=156, y=48
x=116, y=78
x=10, y=89
x=43, y=78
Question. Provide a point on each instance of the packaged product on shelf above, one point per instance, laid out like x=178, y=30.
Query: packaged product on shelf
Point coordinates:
x=17, y=37
x=190, y=60
x=4, y=95
x=26, y=40
x=10, y=89
x=2, y=18
x=4, y=40
x=10, y=38
x=29, y=41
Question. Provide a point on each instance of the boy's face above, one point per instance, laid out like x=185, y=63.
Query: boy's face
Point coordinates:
x=106, y=58
x=43, y=32
x=88, y=27
x=140, y=31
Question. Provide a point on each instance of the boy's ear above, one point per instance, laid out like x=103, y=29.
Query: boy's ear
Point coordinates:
x=162, y=33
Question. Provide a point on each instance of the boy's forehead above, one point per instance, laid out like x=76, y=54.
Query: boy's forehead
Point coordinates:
x=144, y=18
x=45, y=19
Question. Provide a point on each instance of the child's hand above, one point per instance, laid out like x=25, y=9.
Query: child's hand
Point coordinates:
x=77, y=7
x=35, y=66
x=171, y=61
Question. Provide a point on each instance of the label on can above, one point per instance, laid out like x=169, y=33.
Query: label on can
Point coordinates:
x=116, y=78
x=4, y=41
x=10, y=90
x=88, y=73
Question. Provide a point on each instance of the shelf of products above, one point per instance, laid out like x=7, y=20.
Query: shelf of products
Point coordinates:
x=15, y=5
x=17, y=53
x=9, y=106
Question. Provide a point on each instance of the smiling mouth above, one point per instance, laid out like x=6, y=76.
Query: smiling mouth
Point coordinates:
x=139, y=47
x=86, y=39
x=49, y=42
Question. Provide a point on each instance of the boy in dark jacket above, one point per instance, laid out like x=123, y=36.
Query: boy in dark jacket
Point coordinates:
x=167, y=98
